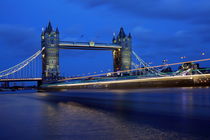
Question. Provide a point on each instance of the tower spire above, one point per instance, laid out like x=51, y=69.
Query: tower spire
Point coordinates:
x=129, y=36
x=57, y=30
x=49, y=28
x=114, y=38
x=121, y=33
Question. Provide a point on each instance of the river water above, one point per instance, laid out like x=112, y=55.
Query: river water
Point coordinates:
x=143, y=114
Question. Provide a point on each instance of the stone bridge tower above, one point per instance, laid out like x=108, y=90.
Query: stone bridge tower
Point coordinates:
x=122, y=57
x=50, y=55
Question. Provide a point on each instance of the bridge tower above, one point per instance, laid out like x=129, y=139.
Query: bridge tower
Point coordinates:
x=122, y=57
x=50, y=55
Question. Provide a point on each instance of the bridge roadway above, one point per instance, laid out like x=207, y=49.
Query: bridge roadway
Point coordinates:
x=168, y=81
x=21, y=80
x=88, y=45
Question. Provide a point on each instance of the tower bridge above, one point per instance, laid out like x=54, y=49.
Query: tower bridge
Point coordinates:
x=121, y=48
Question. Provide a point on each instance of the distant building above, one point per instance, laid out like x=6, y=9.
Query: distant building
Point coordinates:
x=196, y=69
x=189, y=65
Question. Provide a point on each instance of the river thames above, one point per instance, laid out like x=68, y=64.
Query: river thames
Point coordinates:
x=143, y=114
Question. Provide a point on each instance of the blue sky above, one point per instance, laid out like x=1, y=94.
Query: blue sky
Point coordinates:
x=160, y=29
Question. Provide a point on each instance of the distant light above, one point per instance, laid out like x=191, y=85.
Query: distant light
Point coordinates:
x=203, y=53
x=165, y=60
x=183, y=57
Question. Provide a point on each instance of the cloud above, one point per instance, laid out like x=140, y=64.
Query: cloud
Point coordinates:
x=190, y=42
x=16, y=38
x=168, y=9
x=17, y=43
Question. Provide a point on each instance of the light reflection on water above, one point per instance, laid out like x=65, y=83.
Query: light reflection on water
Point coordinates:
x=169, y=113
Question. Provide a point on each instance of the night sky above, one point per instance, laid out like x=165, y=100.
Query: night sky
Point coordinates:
x=161, y=29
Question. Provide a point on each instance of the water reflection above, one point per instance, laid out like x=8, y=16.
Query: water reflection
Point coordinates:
x=176, y=113
x=176, y=110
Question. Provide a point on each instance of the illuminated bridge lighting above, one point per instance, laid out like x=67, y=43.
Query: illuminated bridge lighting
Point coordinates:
x=153, y=79
x=104, y=74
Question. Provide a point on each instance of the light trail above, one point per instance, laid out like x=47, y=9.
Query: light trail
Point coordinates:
x=132, y=80
x=172, y=64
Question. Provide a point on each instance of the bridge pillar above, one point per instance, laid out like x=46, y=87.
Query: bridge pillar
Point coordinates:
x=39, y=83
x=50, y=55
x=117, y=59
x=122, y=57
x=5, y=85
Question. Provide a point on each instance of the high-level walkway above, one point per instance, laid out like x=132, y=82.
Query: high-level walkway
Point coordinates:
x=88, y=45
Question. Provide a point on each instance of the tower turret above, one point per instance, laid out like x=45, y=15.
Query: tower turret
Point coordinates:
x=129, y=36
x=57, y=31
x=114, y=39
x=42, y=35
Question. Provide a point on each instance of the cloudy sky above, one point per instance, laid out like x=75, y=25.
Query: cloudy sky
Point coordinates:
x=161, y=29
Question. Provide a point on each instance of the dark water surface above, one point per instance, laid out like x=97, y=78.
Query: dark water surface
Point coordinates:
x=144, y=114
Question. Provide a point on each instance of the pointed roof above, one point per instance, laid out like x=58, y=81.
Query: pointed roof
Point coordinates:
x=57, y=30
x=113, y=39
x=129, y=36
x=49, y=25
x=42, y=33
x=49, y=28
x=121, y=33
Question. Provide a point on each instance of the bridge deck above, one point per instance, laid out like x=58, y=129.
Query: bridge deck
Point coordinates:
x=88, y=45
x=21, y=79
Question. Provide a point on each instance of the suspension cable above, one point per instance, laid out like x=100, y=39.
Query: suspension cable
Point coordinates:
x=172, y=64
x=21, y=65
